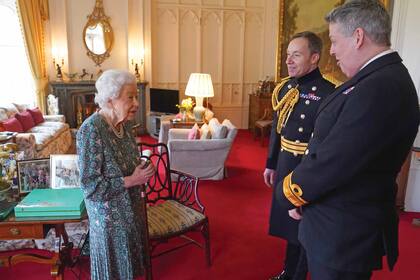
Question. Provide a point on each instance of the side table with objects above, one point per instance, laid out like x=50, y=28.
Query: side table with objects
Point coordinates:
x=37, y=217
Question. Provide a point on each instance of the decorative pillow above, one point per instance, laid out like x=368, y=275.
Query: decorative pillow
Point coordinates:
x=194, y=133
x=37, y=115
x=218, y=131
x=208, y=115
x=21, y=107
x=205, y=132
x=26, y=120
x=10, y=110
x=13, y=125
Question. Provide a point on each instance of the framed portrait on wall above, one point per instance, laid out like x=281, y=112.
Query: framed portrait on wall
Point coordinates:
x=33, y=174
x=64, y=172
x=305, y=15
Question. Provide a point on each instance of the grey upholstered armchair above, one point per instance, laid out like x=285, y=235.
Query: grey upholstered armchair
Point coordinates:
x=201, y=158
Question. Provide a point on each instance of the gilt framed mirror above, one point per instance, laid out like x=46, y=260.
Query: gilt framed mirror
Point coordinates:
x=98, y=36
x=301, y=15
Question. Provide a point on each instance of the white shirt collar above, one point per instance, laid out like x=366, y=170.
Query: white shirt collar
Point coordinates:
x=377, y=56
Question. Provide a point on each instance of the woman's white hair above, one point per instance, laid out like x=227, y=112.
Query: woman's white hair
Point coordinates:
x=109, y=85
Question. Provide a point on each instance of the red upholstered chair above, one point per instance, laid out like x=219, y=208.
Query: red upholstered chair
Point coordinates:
x=172, y=208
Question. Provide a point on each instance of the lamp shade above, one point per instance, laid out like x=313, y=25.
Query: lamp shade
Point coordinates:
x=199, y=85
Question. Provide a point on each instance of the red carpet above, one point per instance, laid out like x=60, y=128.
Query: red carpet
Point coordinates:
x=238, y=210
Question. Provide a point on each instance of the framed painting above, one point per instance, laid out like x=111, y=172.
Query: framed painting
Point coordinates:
x=64, y=172
x=306, y=15
x=33, y=174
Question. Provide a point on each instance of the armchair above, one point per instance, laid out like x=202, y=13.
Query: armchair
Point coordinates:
x=203, y=158
x=172, y=207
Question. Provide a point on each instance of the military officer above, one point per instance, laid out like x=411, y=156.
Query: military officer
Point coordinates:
x=295, y=102
x=345, y=184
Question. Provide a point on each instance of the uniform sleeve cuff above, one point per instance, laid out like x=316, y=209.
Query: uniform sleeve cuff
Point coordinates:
x=289, y=194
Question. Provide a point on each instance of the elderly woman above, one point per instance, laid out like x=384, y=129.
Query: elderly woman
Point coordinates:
x=110, y=172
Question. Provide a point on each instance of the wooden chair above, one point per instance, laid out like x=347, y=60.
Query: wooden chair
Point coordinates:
x=263, y=124
x=172, y=208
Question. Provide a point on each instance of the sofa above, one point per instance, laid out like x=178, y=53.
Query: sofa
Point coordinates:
x=38, y=135
x=203, y=156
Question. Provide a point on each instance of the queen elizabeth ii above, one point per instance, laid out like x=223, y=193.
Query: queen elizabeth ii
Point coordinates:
x=110, y=173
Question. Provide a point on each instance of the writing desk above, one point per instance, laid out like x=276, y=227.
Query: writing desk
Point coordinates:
x=11, y=229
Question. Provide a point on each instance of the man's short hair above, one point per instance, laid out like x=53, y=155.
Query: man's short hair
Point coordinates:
x=370, y=15
x=314, y=42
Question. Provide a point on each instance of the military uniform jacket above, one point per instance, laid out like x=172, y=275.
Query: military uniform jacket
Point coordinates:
x=313, y=90
x=346, y=183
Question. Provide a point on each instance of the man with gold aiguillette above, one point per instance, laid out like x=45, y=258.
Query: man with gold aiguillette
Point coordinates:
x=295, y=102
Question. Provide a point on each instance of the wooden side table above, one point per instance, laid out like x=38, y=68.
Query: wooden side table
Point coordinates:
x=10, y=229
x=185, y=124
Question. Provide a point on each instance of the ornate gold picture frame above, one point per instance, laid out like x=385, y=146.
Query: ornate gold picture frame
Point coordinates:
x=301, y=15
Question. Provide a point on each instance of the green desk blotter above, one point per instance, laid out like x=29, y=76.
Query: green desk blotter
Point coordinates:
x=51, y=203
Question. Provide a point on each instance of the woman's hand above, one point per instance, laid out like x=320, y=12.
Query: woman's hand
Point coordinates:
x=141, y=174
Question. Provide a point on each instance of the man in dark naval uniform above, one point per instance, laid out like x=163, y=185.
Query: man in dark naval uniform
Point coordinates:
x=295, y=102
x=345, y=183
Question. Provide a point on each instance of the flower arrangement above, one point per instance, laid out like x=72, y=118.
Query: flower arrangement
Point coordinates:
x=186, y=105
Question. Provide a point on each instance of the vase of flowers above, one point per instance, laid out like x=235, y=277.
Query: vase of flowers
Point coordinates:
x=185, y=108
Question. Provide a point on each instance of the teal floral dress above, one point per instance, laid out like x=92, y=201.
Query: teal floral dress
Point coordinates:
x=114, y=211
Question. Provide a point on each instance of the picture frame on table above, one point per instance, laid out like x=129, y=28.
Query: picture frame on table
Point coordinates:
x=64, y=172
x=33, y=174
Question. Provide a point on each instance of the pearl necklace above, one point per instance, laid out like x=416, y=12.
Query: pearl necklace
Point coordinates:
x=119, y=133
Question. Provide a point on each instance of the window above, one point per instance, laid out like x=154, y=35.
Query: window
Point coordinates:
x=16, y=81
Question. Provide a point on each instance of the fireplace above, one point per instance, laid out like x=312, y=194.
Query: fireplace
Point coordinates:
x=76, y=102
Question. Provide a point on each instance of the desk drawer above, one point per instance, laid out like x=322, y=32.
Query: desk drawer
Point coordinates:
x=35, y=231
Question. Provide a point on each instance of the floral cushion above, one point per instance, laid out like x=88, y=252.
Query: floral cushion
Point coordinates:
x=170, y=217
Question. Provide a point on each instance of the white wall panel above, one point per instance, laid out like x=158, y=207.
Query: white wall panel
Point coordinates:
x=189, y=44
x=222, y=37
x=253, y=47
x=166, y=46
x=211, y=52
x=232, y=47
x=234, y=3
x=212, y=2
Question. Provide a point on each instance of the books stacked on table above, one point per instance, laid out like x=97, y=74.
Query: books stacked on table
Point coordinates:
x=50, y=204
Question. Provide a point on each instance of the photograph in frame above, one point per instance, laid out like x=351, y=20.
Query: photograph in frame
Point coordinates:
x=64, y=172
x=33, y=174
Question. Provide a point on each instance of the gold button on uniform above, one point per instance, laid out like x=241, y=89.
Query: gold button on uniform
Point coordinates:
x=312, y=135
x=300, y=129
x=306, y=152
x=302, y=116
x=307, y=102
x=289, y=86
x=297, y=141
x=314, y=88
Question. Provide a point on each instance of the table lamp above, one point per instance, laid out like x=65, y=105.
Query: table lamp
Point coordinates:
x=200, y=86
